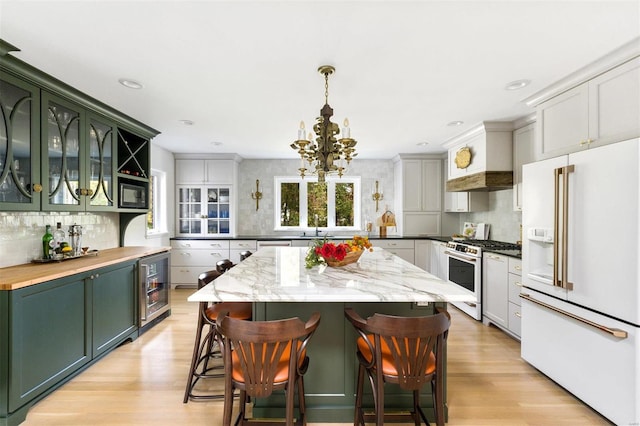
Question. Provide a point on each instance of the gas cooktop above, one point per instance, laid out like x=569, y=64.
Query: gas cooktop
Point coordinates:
x=491, y=244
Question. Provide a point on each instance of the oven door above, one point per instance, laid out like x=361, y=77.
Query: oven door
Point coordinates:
x=466, y=271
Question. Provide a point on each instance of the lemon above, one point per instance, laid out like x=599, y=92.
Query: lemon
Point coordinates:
x=66, y=249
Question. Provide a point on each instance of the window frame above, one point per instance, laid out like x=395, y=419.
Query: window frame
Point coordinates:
x=158, y=207
x=331, y=204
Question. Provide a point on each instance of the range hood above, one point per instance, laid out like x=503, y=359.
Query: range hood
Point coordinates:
x=482, y=181
x=481, y=159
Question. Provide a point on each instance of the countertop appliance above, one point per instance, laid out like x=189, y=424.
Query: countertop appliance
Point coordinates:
x=155, y=290
x=580, y=256
x=133, y=195
x=464, y=268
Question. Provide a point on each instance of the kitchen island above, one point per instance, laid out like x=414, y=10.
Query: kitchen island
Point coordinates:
x=276, y=280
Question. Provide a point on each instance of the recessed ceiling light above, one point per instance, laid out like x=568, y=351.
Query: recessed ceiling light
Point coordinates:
x=216, y=143
x=131, y=84
x=187, y=122
x=422, y=143
x=518, y=84
x=455, y=123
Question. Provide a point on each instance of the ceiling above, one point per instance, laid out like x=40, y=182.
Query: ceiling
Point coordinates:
x=245, y=72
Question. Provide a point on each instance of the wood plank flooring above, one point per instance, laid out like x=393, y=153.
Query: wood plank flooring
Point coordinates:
x=142, y=383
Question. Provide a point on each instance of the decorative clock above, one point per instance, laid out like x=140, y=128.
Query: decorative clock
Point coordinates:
x=463, y=157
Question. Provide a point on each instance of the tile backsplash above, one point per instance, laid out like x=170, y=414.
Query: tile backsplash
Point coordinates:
x=504, y=221
x=21, y=232
x=261, y=221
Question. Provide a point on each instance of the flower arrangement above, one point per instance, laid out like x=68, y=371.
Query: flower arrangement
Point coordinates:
x=336, y=254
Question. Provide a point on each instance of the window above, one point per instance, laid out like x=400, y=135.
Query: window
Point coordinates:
x=156, y=218
x=304, y=204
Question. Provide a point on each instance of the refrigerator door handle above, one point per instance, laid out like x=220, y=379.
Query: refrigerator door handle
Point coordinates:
x=565, y=227
x=556, y=226
x=563, y=280
x=616, y=332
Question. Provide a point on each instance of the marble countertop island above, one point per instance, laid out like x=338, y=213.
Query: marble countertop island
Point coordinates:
x=278, y=274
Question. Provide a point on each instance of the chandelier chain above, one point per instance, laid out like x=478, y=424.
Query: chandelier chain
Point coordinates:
x=326, y=88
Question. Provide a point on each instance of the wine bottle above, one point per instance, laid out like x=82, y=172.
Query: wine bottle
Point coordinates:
x=46, y=243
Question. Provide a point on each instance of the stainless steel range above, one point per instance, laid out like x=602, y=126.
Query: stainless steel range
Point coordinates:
x=464, y=268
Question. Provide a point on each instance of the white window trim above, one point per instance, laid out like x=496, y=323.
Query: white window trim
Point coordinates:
x=331, y=225
x=159, y=205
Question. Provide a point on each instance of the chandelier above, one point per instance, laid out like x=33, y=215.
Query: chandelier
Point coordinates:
x=327, y=152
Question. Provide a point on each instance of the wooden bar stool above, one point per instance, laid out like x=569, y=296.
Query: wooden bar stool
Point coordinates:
x=408, y=351
x=263, y=356
x=204, y=350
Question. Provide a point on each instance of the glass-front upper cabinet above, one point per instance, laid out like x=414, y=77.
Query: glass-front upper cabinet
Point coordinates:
x=78, y=151
x=62, y=150
x=19, y=145
x=205, y=211
x=101, y=164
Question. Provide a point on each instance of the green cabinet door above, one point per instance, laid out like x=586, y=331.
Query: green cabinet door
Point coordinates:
x=48, y=336
x=114, y=307
x=19, y=145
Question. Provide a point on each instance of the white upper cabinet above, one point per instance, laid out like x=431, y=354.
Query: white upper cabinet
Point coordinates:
x=614, y=104
x=419, y=181
x=462, y=202
x=602, y=110
x=523, y=153
x=199, y=171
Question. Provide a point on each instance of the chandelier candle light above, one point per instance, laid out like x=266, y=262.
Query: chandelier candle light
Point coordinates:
x=328, y=153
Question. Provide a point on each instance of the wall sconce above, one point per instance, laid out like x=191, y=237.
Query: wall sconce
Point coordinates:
x=377, y=195
x=257, y=195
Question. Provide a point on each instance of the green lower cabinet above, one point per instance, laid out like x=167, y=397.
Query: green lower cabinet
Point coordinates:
x=51, y=331
x=331, y=378
x=49, y=338
x=114, y=307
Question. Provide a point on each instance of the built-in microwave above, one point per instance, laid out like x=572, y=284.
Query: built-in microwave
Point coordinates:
x=133, y=196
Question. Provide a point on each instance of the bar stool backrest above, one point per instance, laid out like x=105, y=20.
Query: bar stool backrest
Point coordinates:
x=413, y=342
x=224, y=265
x=206, y=277
x=260, y=348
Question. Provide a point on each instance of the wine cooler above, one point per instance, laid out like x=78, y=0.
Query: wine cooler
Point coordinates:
x=155, y=301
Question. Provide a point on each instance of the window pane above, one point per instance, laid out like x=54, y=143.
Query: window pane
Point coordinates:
x=316, y=204
x=344, y=204
x=290, y=208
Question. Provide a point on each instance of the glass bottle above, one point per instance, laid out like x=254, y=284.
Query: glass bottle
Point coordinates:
x=58, y=237
x=46, y=243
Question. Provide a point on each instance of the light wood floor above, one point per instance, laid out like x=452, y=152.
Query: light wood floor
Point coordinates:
x=142, y=383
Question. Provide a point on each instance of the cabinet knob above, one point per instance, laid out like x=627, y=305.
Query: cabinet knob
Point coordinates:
x=518, y=283
x=89, y=192
x=518, y=268
x=518, y=314
x=36, y=187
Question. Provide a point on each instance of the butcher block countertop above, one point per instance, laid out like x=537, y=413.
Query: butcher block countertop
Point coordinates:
x=19, y=276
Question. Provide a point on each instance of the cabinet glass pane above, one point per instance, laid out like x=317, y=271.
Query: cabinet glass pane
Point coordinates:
x=212, y=227
x=63, y=142
x=15, y=144
x=190, y=226
x=101, y=163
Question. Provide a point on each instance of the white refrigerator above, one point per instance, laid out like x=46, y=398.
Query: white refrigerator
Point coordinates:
x=580, y=259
